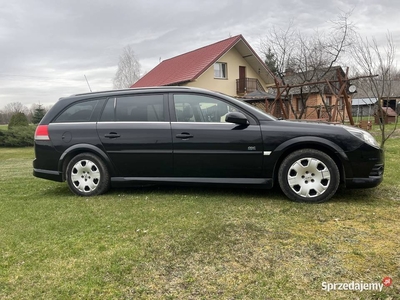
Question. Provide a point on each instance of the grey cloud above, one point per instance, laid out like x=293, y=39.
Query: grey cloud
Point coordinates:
x=47, y=46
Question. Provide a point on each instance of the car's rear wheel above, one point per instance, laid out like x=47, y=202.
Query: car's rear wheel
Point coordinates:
x=309, y=175
x=87, y=175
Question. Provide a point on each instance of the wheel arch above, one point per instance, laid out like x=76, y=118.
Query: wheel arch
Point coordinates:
x=321, y=144
x=83, y=148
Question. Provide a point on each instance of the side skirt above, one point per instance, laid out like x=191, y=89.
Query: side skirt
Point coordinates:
x=250, y=182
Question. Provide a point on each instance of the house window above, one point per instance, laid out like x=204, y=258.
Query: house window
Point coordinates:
x=341, y=103
x=328, y=101
x=299, y=104
x=220, y=70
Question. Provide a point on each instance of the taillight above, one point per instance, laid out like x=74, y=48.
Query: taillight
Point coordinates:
x=42, y=133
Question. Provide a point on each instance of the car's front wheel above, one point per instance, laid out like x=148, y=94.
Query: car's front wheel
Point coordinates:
x=309, y=175
x=87, y=175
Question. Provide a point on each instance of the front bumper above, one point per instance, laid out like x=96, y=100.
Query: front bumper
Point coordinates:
x=364, y=183
x=367, y=169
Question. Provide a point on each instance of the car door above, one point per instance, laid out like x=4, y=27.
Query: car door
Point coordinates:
x=204, y=145
x=136, y=134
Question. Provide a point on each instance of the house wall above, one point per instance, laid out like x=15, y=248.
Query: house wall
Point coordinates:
x=363, y=110
x=227, y=86
x=315, y=108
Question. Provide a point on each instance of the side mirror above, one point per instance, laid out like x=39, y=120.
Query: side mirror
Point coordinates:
x=236, y=118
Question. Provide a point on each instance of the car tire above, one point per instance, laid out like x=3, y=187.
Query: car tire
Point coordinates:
x=87, y=175
x=309, y=175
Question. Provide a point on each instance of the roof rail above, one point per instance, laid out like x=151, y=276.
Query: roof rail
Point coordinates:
x=133, y=89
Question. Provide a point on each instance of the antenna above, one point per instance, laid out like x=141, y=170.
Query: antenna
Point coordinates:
x=87, y=83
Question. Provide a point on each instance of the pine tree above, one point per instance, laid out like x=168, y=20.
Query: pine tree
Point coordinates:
x=38, y=115
x=18, y=120
x=271, y=62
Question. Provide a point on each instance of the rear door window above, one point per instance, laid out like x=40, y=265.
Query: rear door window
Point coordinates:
x=138, y=108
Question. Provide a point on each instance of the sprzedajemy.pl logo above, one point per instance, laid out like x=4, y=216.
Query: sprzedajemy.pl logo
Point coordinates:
x=357, y=286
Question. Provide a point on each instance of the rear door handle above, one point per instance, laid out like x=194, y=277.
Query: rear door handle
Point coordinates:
x=112, y=135
x=184, y=135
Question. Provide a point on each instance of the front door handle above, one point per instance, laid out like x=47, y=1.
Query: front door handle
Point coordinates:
x=184, y=135
x=112, y=135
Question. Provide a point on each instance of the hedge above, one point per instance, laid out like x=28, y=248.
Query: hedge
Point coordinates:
x=17, y=137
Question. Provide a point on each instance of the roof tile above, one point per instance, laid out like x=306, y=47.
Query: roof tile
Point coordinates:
x=188, y=66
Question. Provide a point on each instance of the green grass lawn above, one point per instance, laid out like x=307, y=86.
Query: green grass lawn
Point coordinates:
x=193, y=243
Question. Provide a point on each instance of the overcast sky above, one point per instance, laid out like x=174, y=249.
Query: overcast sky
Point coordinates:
x=47, y=47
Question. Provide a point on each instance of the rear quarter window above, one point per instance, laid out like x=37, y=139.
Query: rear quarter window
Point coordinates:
x=78, y=112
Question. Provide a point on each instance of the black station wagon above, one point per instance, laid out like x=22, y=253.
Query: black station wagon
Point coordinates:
x=181, y=135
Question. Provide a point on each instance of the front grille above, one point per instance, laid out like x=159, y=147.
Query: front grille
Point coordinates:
x=377, y=170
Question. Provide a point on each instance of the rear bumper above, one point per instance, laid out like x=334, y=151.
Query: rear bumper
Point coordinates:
x=47, y=174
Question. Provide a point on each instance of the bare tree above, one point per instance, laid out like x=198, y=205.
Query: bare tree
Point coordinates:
x=13, y=108
x=128, y=69
x=373, y=58
x=300, y=53
x=307, y=55
x=3, y=117
x=279, y=43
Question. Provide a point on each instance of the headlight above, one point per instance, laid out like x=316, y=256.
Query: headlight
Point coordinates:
x=362, y=135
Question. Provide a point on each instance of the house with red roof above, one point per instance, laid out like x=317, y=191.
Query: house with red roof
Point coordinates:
x=229, y=66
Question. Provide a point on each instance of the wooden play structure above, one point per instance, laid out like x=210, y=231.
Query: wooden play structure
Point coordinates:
x=314, y=96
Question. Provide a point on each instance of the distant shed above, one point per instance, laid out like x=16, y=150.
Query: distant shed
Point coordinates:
x=364, y=107
x=387, y=116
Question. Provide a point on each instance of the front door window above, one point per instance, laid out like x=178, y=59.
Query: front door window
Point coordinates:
x=193, y=108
